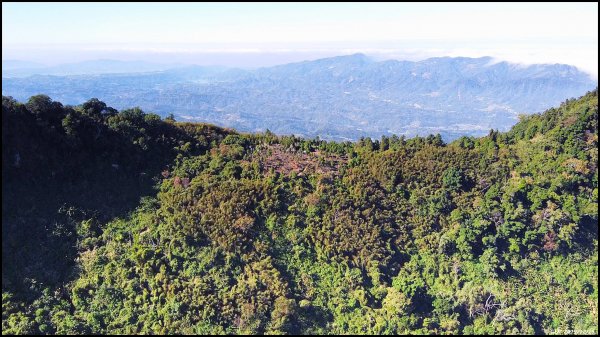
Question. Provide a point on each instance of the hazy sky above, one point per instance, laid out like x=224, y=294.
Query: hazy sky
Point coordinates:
x=264, y=33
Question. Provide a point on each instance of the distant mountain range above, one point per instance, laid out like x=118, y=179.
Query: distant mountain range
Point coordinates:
x=17, y=68
x=338, y=98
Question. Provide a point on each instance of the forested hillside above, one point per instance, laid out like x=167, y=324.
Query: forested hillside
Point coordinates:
x=121, y=222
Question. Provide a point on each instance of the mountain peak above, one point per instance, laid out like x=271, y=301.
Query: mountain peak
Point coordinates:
x=352, y=59
x=357, y=56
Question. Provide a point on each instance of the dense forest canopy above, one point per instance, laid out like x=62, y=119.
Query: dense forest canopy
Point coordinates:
x=122, y=222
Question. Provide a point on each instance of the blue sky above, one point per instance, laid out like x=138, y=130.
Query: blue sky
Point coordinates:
x=240, y=34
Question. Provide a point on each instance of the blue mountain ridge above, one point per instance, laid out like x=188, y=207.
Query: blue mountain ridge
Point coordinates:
x=337, y=98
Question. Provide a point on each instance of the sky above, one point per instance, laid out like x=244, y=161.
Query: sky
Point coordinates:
x=263, y=34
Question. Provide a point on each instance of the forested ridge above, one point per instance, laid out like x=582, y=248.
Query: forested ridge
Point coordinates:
x=123, y=222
